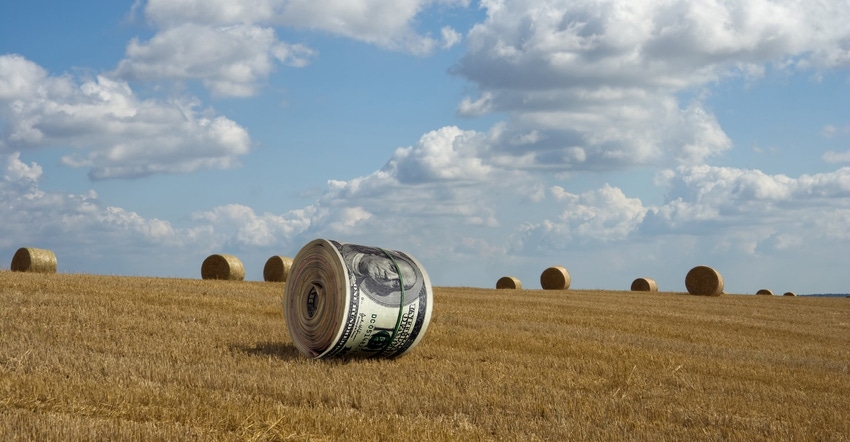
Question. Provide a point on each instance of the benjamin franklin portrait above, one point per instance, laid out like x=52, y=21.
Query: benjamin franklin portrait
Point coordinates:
x=377, y=276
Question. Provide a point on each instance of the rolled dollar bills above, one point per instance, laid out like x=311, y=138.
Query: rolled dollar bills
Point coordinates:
x=350, y=300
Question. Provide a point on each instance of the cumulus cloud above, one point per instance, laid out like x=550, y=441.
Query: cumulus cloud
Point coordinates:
x=232, y=47
x=607, y=76
x=744, y=208
x=101, y=236
x=31, y=214
x=446, y=154
x=752, y=211
x=229, y=60
x=236, y=224
x=354, y=14
x=115, y=133
x=601, y=215
x=716, y=192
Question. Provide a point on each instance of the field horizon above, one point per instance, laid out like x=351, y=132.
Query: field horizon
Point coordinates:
x=93, y=357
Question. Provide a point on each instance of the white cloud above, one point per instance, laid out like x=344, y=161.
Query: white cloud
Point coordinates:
x=648, y=45
x=31, y=214
x=232, y=48
x=385, y=23
x=601, y=215
x=87, y=234
x=737, y=210
x=18, y=172
x=115, y=133
x=230, y=60
x=836, y=157
x=448, y=154
x=830, y=131
x=604, y=75
x=450, y=37
x=731, y=196
x=240, y=225
x=169, y=13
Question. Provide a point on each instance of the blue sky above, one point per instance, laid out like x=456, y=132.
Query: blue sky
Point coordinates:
x=485, y=138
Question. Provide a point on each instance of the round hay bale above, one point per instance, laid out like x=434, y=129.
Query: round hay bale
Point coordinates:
x=277, y=268
x=222, y=266
x=509, y=282
x=29, y=259
x=644, y=285
x=789, y=294
x=555, y=278
x=704, y=281
x=765, y=292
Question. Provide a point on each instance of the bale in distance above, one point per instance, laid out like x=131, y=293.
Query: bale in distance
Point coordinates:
x=704, y=281
x=789, y=294
x=277, y=268
x=555, y=278
x=221, y=266
x=644, y=285
x=509, y=282
x=28, y=259
x=765, y=292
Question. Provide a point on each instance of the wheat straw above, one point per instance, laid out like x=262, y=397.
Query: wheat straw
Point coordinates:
x=508, y=282
x=555, y=278
x=765, y=292
x=29, y=259
x=704, y=281
x=644, y=285
x=222, y=266
x=277, y=269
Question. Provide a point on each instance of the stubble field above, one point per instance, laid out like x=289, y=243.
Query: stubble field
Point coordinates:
x=86, y=357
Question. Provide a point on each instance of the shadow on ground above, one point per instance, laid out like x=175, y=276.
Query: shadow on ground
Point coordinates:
x=278, y=350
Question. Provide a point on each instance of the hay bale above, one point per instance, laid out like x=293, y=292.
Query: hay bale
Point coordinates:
x=704, y=281
x=509, y=282
x=222, y=266
x=277, y=269
x=644, y=285
x=29, y=259
x=555, y=278
x=765, y=292
x=789, y=294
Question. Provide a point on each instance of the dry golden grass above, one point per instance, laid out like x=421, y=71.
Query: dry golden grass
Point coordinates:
x=113, y=358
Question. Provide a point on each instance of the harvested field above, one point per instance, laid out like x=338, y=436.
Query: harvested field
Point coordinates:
x=86, y=357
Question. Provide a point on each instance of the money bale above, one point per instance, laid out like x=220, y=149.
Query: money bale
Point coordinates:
x=349, y=300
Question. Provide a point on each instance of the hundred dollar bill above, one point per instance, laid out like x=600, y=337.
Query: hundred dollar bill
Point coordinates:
x=351, y=300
